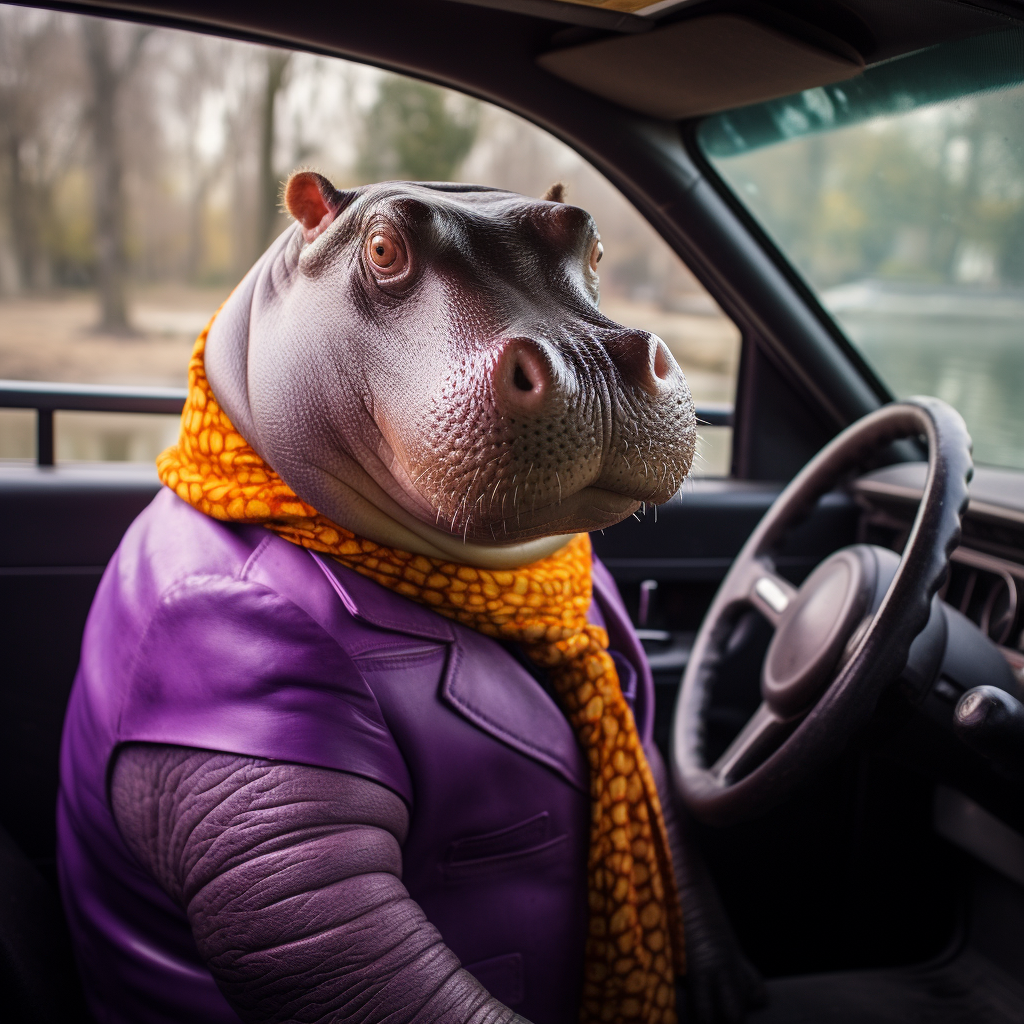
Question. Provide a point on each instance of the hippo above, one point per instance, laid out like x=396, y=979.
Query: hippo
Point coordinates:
x=360, y=729
x=502, y=412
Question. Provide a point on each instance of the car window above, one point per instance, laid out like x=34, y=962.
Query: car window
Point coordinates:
x=142, y=178
x=899, y=196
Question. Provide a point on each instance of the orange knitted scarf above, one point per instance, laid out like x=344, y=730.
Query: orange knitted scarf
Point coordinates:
x=634, y=946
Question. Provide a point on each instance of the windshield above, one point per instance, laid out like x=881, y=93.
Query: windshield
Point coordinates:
x=899, y=196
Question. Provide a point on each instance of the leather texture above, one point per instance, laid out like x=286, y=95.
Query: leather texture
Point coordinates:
x=230, y=639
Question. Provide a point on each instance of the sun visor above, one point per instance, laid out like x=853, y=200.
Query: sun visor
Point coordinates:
x=700, y=66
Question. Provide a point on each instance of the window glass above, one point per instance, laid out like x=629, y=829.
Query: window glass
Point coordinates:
x=900, y=197
x=178, y=175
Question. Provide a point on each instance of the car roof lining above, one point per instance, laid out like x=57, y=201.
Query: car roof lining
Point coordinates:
x=734, y=52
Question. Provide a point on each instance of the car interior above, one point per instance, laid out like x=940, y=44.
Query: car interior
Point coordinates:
x=882, y=878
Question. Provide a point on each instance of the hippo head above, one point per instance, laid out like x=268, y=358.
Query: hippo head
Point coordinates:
x=426, y=364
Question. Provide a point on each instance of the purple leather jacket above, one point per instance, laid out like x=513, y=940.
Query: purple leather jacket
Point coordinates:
x=230, y=639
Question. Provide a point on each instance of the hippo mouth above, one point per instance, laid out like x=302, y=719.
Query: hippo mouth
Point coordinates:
x=488, y=499
x=593, y=508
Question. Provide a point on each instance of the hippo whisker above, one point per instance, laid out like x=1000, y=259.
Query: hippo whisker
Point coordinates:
x=447, y=473
x=495, y=491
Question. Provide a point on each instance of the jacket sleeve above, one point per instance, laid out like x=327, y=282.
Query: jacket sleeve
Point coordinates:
x=291, y=880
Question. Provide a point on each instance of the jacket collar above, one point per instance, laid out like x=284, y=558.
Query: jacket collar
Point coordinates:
x=376, y=605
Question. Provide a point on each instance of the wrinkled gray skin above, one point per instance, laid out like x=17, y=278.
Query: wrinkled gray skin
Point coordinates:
x=473, y=404
x=272, y=860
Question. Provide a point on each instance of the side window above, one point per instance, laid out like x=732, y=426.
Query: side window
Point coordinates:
x=141, y=171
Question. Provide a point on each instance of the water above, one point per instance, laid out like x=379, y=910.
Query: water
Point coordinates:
x=966, y=348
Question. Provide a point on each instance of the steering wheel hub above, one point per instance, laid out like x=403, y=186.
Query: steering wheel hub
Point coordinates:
x=815, y=628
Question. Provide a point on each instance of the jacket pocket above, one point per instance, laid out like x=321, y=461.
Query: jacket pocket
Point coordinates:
x=503, y=850
x=503, y=977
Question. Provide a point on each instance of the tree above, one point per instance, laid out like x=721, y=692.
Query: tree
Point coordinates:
x=268, y=210
x=412, y=133
x=199, y=74
x=37, y=82
x=108, y=77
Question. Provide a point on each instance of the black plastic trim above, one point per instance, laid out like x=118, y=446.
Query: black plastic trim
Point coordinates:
x=46, y=398
x=569, y=14
x=30, y=394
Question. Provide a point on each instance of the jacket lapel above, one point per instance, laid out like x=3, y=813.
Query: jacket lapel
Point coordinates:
x=483, y=683
x=623, y=641
x=487, y=686
x=371, y=603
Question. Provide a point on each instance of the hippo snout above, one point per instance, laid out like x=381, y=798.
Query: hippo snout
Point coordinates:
x=557, y=435
x=528, y=374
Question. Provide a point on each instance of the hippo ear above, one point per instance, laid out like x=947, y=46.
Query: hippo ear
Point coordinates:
x=555, y=193
x=314, y=202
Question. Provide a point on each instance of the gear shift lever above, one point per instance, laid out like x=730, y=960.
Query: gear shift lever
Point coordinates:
x=991, y=722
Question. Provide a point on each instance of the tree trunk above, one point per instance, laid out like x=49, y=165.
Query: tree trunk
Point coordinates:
x=15, y=213
x=269, y=186
x=111, y=259
x=196, y=249
x=21, y=212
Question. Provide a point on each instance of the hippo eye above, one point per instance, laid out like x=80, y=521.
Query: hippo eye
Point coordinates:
x=384, y=253
x=596, y=252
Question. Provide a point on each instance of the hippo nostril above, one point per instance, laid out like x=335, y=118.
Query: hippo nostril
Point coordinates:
x=521, y=381
x=523, y=375
x=662, y=361
x=643, y=360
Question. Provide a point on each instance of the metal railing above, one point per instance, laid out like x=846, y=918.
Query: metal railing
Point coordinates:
x=47, y=398
x=714, y=414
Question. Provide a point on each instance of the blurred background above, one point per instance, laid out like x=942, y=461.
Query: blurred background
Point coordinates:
x=909, y=225
x=140, y=176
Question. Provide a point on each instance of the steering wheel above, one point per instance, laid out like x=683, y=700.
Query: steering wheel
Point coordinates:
x=838, y=640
